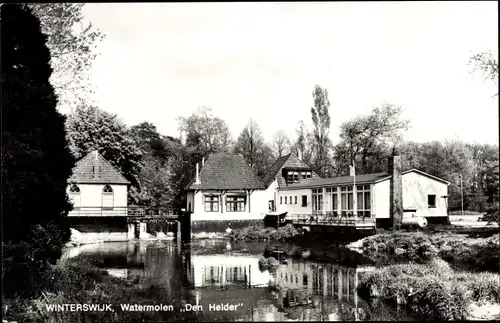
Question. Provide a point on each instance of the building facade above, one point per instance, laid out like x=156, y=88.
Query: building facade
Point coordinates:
x=226, y=192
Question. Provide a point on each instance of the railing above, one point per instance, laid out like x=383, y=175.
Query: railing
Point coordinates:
x=331, y=218
x=127, y=211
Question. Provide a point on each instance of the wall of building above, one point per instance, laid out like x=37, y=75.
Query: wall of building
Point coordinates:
x=294, y=208
x=381, y=200
x=417, y=187
x=256, y=208
x=91, y=197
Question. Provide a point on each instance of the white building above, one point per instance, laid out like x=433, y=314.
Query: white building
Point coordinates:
x=96, y=188
x=379, y=195
x=225, y=192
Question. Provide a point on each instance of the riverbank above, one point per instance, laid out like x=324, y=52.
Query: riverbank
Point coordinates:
x=76, y=281
x=441, y=273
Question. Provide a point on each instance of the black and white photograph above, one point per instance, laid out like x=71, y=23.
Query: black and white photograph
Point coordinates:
x=250, y=161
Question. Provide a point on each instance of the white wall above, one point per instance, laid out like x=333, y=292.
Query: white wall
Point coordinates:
x=416, y=187
x=202, y=265
x=257, y=210
x=381, y=199
x=294, y=208
x=91, y=199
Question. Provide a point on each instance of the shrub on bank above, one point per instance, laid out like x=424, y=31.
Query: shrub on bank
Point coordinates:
x=261, y=233
x=270, y=264
x=78, y=281
x=462, y=252
x=399, y=247
x=430, y=291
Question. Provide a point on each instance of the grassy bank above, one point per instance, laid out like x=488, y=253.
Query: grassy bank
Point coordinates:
x=433, y=290
x=443, y=273
x=261, y=233
x=462, y=251
x=76, y=281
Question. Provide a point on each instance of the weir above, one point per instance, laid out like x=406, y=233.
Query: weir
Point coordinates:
x=132, y=222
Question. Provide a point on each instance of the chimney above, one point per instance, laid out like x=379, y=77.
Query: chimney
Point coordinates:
x=197, y=174
x=396, y=188
x=95, y=164
x=299, y=154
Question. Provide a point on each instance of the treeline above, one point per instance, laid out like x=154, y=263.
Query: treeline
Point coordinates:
x=160, y=166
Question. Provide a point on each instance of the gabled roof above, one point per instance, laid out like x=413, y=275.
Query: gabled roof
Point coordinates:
x=426, y=175
x=83, y=172
x=343, y=180
x=224, y=171
x=287, y=161
x=360, y=179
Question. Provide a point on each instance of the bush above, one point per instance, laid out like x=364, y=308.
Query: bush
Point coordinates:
x=399, y=247
x=484, y=287
x=260, y=233
x=78, y=281
x=270, y=264
x=492, y=215
x=430, y=291
x=438, y=299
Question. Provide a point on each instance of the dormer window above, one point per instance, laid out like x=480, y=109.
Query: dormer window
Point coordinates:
x=293, y=177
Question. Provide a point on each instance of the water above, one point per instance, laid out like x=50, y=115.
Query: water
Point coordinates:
x=315, y=284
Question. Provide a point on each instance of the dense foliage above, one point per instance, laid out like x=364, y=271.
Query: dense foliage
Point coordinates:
x=431, y=291
x=36, y=160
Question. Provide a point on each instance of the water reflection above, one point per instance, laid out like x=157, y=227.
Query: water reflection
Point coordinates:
x=215, y=272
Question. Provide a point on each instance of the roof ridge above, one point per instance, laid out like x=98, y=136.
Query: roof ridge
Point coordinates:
x=112, y=167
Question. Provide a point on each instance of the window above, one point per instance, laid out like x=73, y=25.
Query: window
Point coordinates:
x=281, y=199
x=286, y=199
x=304, y=200
x=211, y=203
x=305, y=279
x=317, y=200
x=107, y=197
x=295, y=199
x=303, y=175
x=308, y=174
x=334, y=202
x=235, y=204
x=74, y=193
x=293, y=177
x=363, y=206
x=431, y=200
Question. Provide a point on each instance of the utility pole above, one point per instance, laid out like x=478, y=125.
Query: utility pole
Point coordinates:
x=462, y=193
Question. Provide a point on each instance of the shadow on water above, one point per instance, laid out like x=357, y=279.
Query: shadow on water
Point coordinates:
x=313, y=284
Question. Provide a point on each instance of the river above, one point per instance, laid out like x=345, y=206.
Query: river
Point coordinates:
x=316, y=284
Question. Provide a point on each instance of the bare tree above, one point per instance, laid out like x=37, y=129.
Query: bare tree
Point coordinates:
x=281, y=143
x=71, y=43
x=250, y=144
x=487, y=64
x=364, y=136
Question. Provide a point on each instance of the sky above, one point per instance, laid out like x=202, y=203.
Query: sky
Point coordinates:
x=262, y=61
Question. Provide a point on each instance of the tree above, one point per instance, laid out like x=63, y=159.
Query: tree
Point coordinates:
x=36, y=161
x=365, y=136
x=250, y=144
x=90, y=128
x=486, y=64
x=281, y=143
x=321, y=123
x=302, y=144
x=208, y=132
x=152, y=142
x=72, y=44
x=155, y=181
